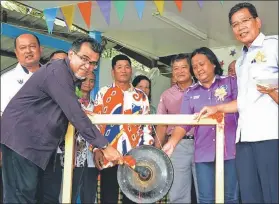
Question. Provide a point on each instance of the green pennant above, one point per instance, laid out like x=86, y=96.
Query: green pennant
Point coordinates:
x=222, y=2
x=120, y=7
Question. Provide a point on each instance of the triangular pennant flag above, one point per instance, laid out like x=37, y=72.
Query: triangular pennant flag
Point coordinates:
x=179, y=4
x=160, y=5
x=50, y=15
x=85, y=10
x=104, y=6
x=140, y=6
x=222, y=2
x=68, y=14
x=120, y=7
x=200, y=3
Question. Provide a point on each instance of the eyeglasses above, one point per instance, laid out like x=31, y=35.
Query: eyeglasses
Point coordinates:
x=244, y=21
x=86, y=61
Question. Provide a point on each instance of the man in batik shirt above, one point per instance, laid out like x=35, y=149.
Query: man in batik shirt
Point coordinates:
x=120, y=98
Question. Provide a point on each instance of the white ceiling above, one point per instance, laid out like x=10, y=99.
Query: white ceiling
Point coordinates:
x=155, y=38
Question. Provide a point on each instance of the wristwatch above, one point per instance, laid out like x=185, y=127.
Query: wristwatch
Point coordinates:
x=104, y=147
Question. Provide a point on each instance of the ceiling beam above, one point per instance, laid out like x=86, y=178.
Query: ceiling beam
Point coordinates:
x=136, y=56
x=6, y=53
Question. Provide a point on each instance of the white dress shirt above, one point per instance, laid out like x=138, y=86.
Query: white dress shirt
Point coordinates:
x=258, y=113
x=11, y=83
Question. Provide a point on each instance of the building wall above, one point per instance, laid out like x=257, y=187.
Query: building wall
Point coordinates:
x=224, y=54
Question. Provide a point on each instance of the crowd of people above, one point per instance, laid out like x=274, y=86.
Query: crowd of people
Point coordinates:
x=38, y=101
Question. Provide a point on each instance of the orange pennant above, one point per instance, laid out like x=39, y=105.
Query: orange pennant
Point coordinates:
x=179, y=4
x=68, y=13
x=85, y=10
x=160, y=5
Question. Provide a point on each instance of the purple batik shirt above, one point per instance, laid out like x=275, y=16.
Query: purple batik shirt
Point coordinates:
x=223, y=90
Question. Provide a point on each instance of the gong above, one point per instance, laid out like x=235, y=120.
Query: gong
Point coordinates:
x=152, y=177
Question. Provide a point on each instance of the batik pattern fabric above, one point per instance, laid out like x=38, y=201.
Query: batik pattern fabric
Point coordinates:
x=82, y=153
x=113, y=100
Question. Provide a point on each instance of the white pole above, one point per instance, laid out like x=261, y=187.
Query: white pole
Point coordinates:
x=219, y=164
x=68, y=165
x=153, y=119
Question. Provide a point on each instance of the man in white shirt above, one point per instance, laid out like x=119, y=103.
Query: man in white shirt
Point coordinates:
x=257, y=134
x=28, y=52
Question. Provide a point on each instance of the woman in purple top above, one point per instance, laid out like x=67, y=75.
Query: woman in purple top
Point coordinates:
x=211, y=89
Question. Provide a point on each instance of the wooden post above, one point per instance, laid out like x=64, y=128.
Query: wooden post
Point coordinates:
x=219, y=168
x=68, y=165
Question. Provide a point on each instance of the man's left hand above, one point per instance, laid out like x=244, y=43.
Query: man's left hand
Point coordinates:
x=265, y=90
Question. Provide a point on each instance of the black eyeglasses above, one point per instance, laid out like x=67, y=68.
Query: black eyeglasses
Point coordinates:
x=243, y=21
x=86, y=61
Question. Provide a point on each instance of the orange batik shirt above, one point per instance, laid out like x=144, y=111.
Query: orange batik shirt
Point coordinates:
x=113, y=100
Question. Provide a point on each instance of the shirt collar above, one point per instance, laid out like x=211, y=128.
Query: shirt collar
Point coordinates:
x=216, y=77
x=26, y=70
x=179, y=89
x=131, y=89
x=258, y=42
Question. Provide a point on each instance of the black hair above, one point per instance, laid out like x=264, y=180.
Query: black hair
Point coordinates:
x=94, y=45
x=57, y=52
x=210, y=56
x=183, y=56
x=179, y=57
x=138, y=79
x=119, y=57
x=251, y=8
x=39, y=43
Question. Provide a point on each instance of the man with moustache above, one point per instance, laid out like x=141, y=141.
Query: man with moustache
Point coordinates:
x=182, y=157
x=37, y=117
x=257, y=133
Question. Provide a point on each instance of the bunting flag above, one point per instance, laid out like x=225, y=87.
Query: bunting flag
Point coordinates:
x=160, y=5
x=50, y=15
x=140, y=7
x=200, y=3
x=120, y=7
x=85, y=10
x=105, y=7
x=68, y=14
x=179, y=4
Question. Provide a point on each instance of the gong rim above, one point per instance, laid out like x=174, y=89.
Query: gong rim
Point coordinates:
x=157, y=186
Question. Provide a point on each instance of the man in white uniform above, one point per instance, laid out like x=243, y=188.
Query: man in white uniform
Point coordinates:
x=28, y=52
